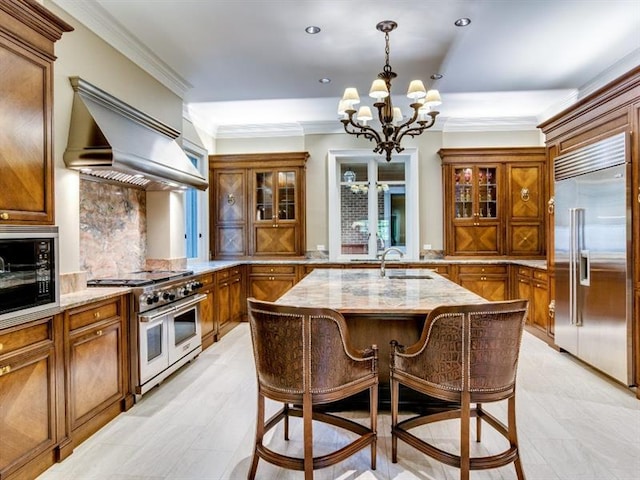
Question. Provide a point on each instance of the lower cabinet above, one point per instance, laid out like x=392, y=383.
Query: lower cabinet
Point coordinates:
x=532, y=285
x=208, y=321
x=488, y=281
x=229, y=300
x=269, y=282
x=97, y=370
x=28, y=424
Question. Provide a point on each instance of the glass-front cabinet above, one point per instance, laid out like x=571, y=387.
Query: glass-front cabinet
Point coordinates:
x=275, y=211
x=473, y=205
x=476, y=192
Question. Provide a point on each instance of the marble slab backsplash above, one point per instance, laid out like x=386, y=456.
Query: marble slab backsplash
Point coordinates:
x=113, y=229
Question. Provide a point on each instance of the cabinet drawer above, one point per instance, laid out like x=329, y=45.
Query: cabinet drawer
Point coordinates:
x=441, y=269
x=27, y=336
x=483, y=269
x=275, y=269
x=222, y=275
x=524, y=272
x=206, y=280
x=540, y=275
x=100, y=312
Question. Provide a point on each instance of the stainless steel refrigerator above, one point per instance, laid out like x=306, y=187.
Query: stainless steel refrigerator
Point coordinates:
x=593, y=256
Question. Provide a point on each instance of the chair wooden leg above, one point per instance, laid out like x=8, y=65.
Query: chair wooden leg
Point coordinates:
x=286, y=421
x=307, y=425
x=465, y=420
x=259, y=437
x=513, y=435
x=479, y=422
x=373, y=411
x=395, y=391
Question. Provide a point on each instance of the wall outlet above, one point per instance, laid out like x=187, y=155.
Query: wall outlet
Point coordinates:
x=320, y=248
x=426, y=246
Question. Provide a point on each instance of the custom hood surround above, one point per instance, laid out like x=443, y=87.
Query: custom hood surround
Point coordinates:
x=112, y=141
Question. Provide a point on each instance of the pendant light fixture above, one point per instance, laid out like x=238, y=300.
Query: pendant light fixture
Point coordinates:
x=393, y=126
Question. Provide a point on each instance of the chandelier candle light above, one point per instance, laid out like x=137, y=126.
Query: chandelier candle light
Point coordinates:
x=391, y=119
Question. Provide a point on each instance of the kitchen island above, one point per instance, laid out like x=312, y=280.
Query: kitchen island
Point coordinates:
x=379, y=309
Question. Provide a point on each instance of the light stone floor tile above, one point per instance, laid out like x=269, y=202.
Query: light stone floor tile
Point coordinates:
x=199, y=424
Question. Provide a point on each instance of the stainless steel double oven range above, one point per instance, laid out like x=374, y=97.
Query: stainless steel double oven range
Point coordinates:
x=165, y=321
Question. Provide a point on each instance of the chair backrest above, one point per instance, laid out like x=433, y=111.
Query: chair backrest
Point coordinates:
x=472, y=348
x=300, y=349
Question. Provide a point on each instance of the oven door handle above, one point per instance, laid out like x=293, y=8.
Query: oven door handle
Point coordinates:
x=191, y=302
x=163, y=311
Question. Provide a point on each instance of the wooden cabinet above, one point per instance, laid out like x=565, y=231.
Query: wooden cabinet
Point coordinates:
x=269, y=282
x=493, y=201
x=525, y=208
x=276, y=203
x=228, y=204
x=258, y=205
x=230, y=298
x=532, y=284
x=27, y=36
x=488, y=281
x=208, y=321
x=28, y=423
x=97, y=369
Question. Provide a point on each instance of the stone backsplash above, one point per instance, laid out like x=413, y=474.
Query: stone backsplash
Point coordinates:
x=113, y=229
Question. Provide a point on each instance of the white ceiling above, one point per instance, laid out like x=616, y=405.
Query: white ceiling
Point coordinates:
x=248, y=65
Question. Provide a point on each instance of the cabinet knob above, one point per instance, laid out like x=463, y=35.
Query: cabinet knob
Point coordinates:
x=524, y=194
x=99, y=333
x=4, y=370
x=551, y=205
x=1, y=346
x=552, y=308
x=4, y=216
x=96, y=315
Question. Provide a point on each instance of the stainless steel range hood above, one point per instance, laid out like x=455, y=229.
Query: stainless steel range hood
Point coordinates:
x=112, y=141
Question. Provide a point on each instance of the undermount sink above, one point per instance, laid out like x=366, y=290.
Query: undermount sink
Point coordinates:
x=405, y=276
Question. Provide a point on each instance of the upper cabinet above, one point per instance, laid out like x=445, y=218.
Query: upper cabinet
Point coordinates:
x=27, y=35
x=493, y=201
x=258, y=204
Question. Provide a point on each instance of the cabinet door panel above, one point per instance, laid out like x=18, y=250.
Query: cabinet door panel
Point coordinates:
x=525, y=192
x=275, y=240
x=230, y=240
x=541, y=310
x=236, y=299
x=476, y=239
x=270, y=288
x=27, y=396
x=222, y=303
x=26, y=182
x=231, y=201
x=95, y=370
x=525, y=239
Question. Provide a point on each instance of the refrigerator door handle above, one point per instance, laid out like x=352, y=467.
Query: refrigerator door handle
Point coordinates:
x=573, y=234
x=585, y=268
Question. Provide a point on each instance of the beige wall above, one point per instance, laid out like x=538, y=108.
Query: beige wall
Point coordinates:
x=428, y=144
x=82, y=53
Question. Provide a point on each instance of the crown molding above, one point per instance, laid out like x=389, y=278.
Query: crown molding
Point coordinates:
x=96, y=19
x=489, y=124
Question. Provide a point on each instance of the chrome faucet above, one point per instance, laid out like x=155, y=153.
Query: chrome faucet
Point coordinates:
x=1, y=265
x=384, y=256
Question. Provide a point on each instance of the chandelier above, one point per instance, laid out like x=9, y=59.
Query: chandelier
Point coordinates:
x=392, y=122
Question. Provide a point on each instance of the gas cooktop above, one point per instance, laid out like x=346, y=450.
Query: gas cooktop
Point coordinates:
x=139, y=279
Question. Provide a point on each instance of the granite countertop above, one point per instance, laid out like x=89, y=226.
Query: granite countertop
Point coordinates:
x=365, y=291
x=89, y=295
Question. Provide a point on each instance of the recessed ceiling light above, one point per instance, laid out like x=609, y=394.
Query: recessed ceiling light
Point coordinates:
x=325, y=80
x=436, y=76
x=312, y=29
x=462, y=22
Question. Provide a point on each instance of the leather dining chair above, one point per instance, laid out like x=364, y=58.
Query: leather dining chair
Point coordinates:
x=467, y=354
x=304, y=359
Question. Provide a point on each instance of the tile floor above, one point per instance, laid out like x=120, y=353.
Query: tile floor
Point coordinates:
x=199, y=425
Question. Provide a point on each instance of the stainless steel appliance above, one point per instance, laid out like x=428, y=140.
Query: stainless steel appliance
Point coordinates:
x=28, y=273
x=593, y=262
x=166, y=330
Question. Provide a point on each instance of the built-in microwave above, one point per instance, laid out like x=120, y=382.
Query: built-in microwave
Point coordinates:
x=28, y=272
